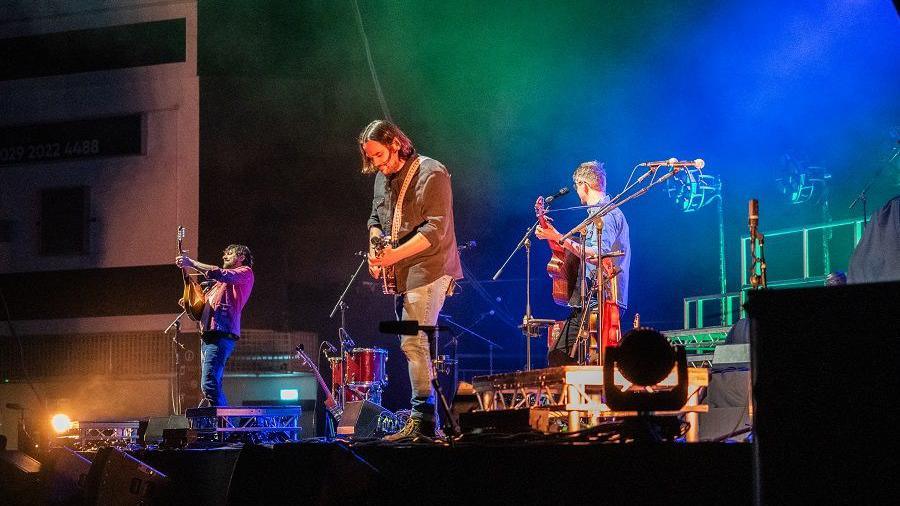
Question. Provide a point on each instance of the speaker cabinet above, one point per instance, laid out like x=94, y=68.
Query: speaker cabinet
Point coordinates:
x=365, y=419
x=64, y=476
x=116, y=477
x=825, y=382
x=156, y=425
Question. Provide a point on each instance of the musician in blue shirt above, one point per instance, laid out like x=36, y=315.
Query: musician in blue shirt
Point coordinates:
x=590, y=184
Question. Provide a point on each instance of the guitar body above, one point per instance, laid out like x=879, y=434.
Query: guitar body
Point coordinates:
x=563, y=265
x=194, y=299
x=388, y=274
x=563, y=270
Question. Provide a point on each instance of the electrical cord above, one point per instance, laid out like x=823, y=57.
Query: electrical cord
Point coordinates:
x=18, y=340
x=371, y=62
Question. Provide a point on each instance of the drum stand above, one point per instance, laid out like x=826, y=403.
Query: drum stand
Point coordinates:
x=344, y=337
x=455, y=341
x=453, y=427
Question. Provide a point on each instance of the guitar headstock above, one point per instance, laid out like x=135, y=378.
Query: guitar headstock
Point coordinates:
x=539, y=210
x=303, y=356
x=181, y=232
x=381, y=242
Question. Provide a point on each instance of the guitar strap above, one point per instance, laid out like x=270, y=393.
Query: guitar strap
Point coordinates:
x=398, y=210
x=206, y=318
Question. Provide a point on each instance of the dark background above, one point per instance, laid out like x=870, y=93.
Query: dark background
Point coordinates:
x=511, y=96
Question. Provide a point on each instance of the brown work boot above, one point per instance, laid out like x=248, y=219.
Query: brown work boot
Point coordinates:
x=414, y=428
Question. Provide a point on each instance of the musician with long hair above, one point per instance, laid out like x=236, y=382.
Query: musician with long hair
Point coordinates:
x=413, y=204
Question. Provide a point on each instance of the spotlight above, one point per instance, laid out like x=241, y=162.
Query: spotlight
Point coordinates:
x=61, y=423
x=644, y=357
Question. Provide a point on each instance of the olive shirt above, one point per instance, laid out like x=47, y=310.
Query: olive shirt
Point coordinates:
x=427, y=208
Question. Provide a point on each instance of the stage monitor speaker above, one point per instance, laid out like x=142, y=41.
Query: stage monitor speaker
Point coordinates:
x=116, y=477
x=63, y=477
x=824, y=365
x=363, y=419
x=157, y=424
x=728, y=399
x=464, y=401
x=19, y=477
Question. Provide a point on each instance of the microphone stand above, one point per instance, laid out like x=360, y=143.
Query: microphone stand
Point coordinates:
x=612, y=204
x=491, y=344
x=528, y=323
x=344, y=337
x=596, y=218
x=176, y=395
x=863, y=195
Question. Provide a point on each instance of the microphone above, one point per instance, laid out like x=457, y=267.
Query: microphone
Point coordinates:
x=562, y=191
x=674, y=162
x=467, y=245
x=753, y=217
x=330, y=347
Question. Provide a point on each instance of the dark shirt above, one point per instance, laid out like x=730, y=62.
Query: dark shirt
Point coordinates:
x=427, y=209
x=877, y=256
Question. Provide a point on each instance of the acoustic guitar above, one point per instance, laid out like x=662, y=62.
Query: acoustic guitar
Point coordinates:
x=563, y=266
x=194, y=300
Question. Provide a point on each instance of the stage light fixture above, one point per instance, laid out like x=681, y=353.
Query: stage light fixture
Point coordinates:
x=802, y=182
x=692, y=190
x=61, y=423
x=644, y=357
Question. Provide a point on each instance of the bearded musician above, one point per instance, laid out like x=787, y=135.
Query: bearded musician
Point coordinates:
x=220, y=324
x=413, y=204
x=590, y=184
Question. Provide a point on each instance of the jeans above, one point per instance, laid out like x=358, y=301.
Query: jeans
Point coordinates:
x=215, y=350
x=423, y=305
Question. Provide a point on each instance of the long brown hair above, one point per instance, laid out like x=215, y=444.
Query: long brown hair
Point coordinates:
x=384, y=132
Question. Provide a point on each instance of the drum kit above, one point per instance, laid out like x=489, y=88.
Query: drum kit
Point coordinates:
x=363, y=371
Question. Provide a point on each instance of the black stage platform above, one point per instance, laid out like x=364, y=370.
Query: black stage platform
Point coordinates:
x=498, y=472
x=318, y=472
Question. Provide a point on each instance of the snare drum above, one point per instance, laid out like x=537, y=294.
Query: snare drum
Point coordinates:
x=366, y=366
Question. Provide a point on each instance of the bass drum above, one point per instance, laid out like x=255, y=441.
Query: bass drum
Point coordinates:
x=367, y=366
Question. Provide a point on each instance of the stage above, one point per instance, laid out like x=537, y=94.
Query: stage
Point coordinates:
x=499, y=470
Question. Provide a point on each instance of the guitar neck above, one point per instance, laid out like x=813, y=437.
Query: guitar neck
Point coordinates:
x=330, y=403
